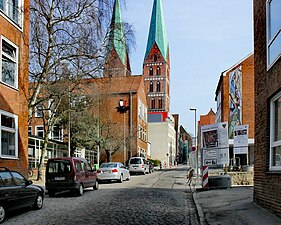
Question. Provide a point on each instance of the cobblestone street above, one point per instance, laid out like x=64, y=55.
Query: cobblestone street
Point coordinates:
x=158, y=198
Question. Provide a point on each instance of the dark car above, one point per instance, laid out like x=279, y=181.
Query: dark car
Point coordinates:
x=17, y=192
x=70, y=174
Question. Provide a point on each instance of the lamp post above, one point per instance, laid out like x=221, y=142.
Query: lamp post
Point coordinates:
x=195, y=144
x=122, y=108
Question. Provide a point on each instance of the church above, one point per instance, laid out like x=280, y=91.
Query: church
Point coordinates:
x=158, y=127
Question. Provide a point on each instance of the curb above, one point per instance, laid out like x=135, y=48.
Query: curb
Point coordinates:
x=199, y=210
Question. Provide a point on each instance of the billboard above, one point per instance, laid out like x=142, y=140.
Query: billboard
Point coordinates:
x=214, y=140
x=240, y=144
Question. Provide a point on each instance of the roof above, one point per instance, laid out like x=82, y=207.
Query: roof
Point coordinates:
x=124, y=84
x=157, y=32
x=117, y=38
x=223, y=74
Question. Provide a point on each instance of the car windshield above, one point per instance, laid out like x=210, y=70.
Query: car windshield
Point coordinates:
x=108, y=165
x=59, y=166
x=135, y=161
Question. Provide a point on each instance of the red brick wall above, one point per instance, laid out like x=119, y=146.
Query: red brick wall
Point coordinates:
x=13, y=100
x=247, y=94
x=164, y=78
x=267, y=185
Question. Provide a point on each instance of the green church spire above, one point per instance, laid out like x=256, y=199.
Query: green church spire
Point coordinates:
x=157, y=31
x=117, y=38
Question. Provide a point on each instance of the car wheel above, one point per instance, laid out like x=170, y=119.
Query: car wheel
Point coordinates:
x=38, y=204
x=2, y=213
x=121, y=178
x=129, y=177
x=80, y=190
x=96, y=186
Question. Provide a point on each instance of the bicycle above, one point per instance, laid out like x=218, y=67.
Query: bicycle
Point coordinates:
x=30, y=172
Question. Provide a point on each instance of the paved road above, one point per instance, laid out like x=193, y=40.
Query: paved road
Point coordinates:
x=158, y=198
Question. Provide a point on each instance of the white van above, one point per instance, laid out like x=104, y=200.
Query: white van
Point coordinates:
x=138, y=165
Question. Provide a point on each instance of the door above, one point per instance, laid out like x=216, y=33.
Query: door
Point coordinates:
x=90, y=175
x=10, y=192
x=27, y=195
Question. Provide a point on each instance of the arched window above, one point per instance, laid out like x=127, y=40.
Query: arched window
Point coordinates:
x=150, y=71
x=160, y=103
x=151, y=87
x=158, y=71
x=158, y=86
x=153, y=103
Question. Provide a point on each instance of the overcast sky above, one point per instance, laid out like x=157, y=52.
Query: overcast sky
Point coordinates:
x=205, y=37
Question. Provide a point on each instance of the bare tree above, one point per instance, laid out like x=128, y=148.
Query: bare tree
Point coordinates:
x=67, y=45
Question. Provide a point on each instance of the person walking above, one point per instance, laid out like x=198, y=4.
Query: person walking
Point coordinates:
x=190, y=176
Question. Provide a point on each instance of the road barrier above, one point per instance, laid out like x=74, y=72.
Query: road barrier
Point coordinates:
x=205, y=177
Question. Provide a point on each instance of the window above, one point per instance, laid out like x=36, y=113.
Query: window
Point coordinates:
x=19, y=179
x=158, y=86
x=153, y=103
x=158, y=70
x=9, y=63
x=160, y=103
x=39, y=131
x=57, y=133
x=39, y=110
x=7, y=179
x=150, y=71
x=151, y=87
x=9, y=134
x=29, y=130
x=273, y=31
x=12, y=9
x=155, y=58
x=275, y=133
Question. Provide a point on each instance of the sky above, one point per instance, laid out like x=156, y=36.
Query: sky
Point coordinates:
x=206, y=37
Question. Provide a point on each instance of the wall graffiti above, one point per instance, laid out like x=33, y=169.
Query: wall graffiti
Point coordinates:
x=235, y=99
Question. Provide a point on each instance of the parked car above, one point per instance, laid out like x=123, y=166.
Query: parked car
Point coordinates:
x=70, y=174
x=138, y=165
x=150, y=166
x=113, y=171
x=17, y=192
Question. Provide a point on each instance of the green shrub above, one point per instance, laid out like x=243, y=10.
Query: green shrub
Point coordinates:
x=156, y=162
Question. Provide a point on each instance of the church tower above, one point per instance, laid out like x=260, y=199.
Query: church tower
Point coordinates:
x=117, y=59
x=156, y=66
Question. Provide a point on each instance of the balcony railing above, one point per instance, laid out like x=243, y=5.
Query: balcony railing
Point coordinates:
x=13, y=10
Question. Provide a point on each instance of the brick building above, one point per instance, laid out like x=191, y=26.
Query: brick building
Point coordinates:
x=129, y=129
x=267, y=39
x=14, y=42
x=235, y=104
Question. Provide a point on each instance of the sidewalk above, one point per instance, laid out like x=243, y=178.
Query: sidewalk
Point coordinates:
x=232, y=206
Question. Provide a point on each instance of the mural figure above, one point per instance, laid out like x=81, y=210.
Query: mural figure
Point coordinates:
x=235, y=99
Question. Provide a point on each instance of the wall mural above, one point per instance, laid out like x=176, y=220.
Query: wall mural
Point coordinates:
x=235, y=99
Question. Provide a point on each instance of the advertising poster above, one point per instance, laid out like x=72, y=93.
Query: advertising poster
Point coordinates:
x=235, y=100
x=240, y=144
x=215, y=144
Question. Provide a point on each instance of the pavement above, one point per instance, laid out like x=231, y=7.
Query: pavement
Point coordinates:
x=232, y=206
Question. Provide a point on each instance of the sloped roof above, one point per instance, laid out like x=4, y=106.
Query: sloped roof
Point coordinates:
x=157, y=32
x=118, y=84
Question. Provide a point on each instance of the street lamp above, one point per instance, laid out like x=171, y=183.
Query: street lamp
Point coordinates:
x=122, y=108
x=195, y=144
